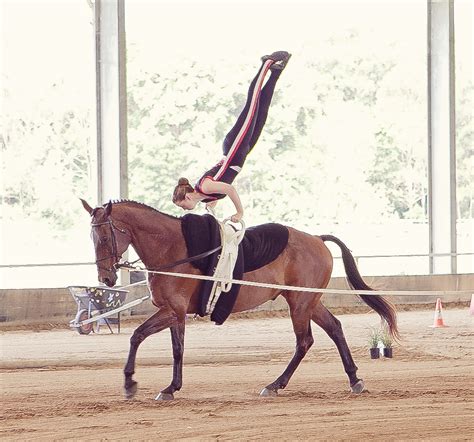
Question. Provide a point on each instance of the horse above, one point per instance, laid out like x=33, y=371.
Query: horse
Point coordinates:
x=158, y=240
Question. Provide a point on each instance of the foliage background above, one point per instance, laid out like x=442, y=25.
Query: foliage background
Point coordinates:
x=344, y=150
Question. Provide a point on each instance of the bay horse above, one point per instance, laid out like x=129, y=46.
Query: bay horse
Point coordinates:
x=158, y=240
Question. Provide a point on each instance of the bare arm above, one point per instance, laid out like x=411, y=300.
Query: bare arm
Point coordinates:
x=210, y=186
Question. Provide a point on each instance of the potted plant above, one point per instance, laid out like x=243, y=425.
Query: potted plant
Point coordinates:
x=387, y=343
x=373, y=343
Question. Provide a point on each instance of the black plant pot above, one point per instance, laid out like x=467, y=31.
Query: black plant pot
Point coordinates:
x=387, y=352
x=374, y=353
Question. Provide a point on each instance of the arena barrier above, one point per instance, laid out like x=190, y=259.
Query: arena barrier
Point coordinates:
x=226, y=281
x=23, y=306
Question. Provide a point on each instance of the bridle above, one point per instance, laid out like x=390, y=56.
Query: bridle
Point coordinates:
x=114, y=254
x=117, y=265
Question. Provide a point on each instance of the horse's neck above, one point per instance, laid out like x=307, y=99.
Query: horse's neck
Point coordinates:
x=156, y=237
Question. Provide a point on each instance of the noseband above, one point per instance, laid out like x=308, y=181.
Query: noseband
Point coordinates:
x=114, y=254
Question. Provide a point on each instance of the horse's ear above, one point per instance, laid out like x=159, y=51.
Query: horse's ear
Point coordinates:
x=86, y=206
x=108, y=209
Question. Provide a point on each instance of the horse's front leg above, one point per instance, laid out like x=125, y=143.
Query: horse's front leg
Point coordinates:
x=177, y=340
x=154, y=324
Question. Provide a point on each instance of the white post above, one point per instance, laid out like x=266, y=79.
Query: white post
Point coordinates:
x=111, y=99
x=441, y=136
x=111, y=103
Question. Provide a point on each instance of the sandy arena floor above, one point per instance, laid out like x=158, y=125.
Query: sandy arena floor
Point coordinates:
x=58, y=385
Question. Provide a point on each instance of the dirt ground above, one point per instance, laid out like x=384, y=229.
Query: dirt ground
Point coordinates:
x=59, y=385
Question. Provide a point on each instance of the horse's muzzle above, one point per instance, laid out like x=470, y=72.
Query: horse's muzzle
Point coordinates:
x=109, y=281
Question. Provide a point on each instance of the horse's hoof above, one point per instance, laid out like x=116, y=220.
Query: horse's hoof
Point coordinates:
x=164, y=397
x=358, y=387
x=131, y=391
x=266, y=392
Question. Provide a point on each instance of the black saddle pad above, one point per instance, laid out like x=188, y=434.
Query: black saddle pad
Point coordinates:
x=201, y=233
x=261, y=245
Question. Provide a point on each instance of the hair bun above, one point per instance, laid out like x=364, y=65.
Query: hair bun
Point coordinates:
x=183, y=182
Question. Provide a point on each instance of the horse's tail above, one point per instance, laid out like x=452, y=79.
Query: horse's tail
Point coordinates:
x=383, y=307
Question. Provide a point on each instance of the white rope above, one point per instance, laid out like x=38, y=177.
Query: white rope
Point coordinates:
x=133, y=283
x=309, y=289
x=228, y=281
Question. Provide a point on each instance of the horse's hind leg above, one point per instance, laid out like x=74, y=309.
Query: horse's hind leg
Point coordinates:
x=304, y=340
x=154, y=324
x=332, y=326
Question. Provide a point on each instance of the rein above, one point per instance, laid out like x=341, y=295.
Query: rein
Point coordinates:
x=130, y=265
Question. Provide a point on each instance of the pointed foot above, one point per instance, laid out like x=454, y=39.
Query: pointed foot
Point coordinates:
x=268, y=392
x=164, y=397
x=358, y=387
x=280, y=60
x=131, y=390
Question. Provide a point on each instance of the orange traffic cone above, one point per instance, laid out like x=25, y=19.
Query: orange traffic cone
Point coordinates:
x=471, y=308
x=438, y=319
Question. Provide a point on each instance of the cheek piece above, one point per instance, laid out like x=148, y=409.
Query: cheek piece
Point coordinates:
x=114, y=254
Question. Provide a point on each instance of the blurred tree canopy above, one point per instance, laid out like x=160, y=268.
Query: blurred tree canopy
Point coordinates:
x=47, y=158
x=331, y=149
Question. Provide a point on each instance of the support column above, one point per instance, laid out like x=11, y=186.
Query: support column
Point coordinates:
x=111, y=100
x=441, y=136
x=111, y=104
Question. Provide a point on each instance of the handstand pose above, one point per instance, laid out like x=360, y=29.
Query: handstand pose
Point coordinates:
x=216, y=183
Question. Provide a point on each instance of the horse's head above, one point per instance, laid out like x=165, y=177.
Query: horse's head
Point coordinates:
x=110, y=241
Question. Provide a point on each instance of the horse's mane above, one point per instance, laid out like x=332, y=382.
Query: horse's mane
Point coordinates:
x=142, y=205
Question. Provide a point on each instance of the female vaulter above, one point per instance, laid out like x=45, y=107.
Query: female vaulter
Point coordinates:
x=216, y=183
